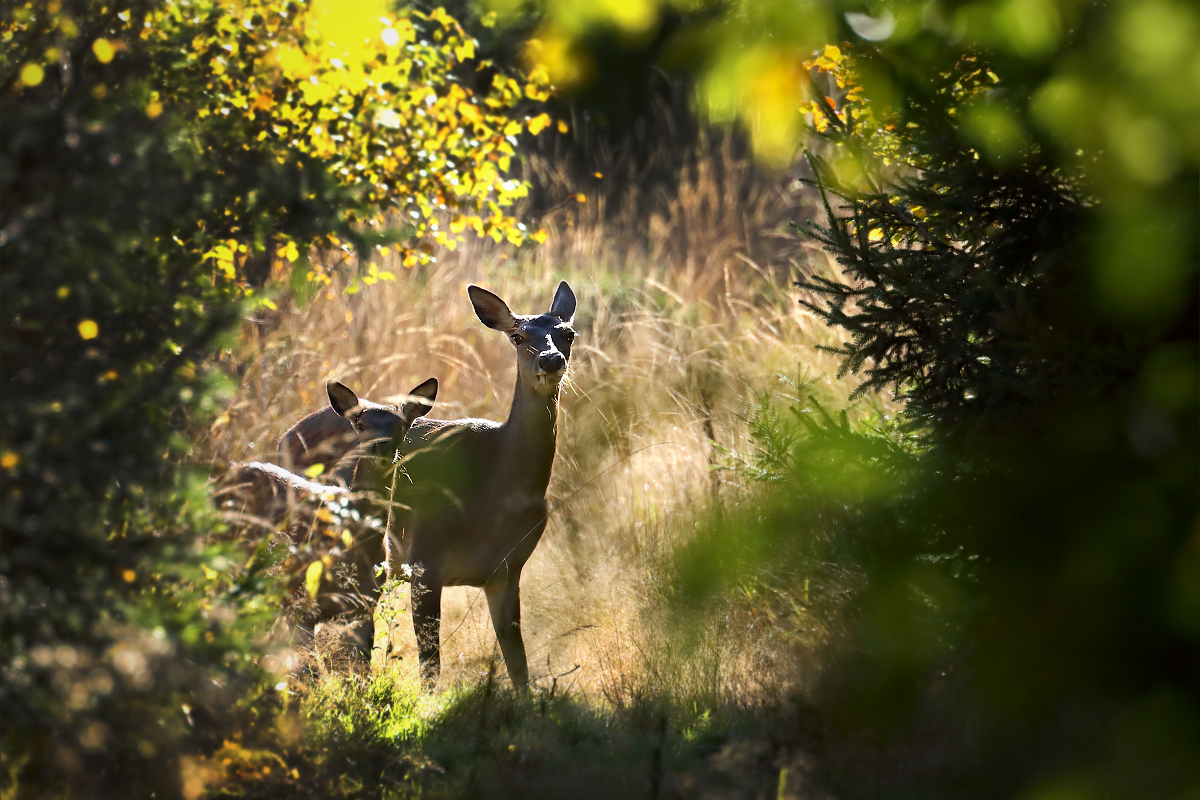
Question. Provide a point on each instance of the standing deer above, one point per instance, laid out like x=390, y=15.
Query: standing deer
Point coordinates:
x=478, y=488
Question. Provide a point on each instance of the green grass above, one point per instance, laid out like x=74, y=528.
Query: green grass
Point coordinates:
x=379, y=736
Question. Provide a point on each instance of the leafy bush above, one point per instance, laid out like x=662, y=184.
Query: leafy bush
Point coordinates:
x=1059, y=465
x=136, y=190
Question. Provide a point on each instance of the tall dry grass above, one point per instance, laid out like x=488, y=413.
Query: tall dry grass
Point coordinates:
x=678, y=328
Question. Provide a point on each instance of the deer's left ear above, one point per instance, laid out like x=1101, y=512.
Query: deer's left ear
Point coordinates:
x=563, y=306
x=491, y=310
x=341, y=397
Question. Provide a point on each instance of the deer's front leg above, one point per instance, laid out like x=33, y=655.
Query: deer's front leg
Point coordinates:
x=504, y=603
x=427, y=623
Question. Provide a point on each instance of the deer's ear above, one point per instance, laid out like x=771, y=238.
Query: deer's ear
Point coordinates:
x=420, y=400
x=341, y=398
x=491, y=310
x=563, y=306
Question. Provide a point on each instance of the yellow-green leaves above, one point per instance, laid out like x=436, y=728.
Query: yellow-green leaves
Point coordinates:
x=366, y=91
x=312, y=578
x=995, y=131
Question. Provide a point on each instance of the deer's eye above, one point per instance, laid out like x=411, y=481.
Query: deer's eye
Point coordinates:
x=517, y=338
x=569, y=336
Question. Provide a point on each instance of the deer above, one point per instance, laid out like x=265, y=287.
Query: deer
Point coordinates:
x=475, y=489
x=328, y=435
x=374, y=428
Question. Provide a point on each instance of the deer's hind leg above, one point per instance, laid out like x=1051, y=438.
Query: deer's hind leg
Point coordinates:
x=504, y=603
x=427, y=624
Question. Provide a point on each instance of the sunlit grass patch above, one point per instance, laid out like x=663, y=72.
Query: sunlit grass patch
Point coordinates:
x=380, y=736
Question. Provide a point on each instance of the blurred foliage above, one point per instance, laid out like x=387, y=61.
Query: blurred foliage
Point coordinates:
x=1028, y=292
x=151, y=152
x=1119, y=74
x=960, y=298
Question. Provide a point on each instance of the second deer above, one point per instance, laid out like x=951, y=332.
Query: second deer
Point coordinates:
x=269, y=493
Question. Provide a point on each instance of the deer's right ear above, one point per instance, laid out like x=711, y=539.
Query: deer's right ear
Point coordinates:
x=420, y=400
x=341, y=398
x=563, y=305
x=491, y=310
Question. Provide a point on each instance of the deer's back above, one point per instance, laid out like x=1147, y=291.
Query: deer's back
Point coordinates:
x=472, y=509
x=448, y=461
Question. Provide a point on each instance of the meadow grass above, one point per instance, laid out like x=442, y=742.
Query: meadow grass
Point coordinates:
x=677, y=344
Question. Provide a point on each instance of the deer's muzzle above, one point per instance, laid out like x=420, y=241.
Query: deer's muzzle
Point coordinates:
x=551, y=362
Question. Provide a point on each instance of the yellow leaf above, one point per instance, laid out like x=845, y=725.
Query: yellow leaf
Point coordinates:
x=875, y=235
x=488, y=20
x=88, y=329
x=312, y=578
x=9, y=460
x=538, y=123
x=539, y=237
x=562, y=127
x=32, y=74
x=581, y=197
x=104, y=50
x=315, y=470
x=470, y=113
x=833, y=53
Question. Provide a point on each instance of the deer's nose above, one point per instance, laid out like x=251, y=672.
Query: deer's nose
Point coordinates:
x=552, y=361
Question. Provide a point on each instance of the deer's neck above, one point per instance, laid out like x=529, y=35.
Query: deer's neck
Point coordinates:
x=529, y=436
